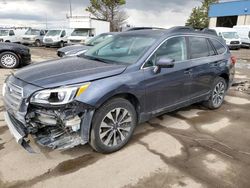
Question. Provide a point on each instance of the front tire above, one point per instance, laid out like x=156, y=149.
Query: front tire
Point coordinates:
x=217, y=94
x=113, y=125
x=38, y=43
x=9, y=60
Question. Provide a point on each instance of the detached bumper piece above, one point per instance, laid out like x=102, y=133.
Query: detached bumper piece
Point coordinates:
x=17, y=129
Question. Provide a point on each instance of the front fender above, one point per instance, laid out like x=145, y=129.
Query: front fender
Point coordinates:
x=101, y=90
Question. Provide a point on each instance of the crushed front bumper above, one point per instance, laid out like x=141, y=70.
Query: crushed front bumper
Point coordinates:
x=18, y=131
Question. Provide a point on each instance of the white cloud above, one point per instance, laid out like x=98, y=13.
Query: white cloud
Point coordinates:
x=34, y=13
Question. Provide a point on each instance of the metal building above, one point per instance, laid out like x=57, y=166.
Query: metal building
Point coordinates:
x=229, y=14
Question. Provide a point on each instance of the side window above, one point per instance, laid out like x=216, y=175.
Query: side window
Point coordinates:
x=174, y=48
x=198, y=47
x=11, y=33
x=63, y=34
x=218, y=46
x=210, y=49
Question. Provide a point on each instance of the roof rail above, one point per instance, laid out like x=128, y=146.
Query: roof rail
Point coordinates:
x=209, y=31
x=181, y=28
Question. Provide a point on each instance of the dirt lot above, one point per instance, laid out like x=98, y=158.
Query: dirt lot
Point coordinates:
x=193, y=147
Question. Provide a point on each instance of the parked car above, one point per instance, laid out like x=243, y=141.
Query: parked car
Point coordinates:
x=11, y=35
x=244, y=34
x=13, y=55
x=55, y=37
x=101, y=96
x=230, y=36
x=34, y=37
x=75, y=50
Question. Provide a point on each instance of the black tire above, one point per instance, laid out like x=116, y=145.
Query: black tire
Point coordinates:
x=102, y=123
x=38, y=43
x=9, y=60
x=217, y=96
x=61, y=45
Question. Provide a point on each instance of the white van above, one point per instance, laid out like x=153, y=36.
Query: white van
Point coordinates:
x=11, y=35
x=55, y=37
x=79, y=36
x=230, y=36
x=244, y=34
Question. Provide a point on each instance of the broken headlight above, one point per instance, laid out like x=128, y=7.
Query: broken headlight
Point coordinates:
x=58, y=96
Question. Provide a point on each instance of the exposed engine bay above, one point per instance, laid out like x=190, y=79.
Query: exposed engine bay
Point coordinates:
x=57, y=127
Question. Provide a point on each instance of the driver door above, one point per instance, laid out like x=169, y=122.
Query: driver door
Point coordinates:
x=170, y=86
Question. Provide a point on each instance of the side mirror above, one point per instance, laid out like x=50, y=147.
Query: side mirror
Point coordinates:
x=163, y=62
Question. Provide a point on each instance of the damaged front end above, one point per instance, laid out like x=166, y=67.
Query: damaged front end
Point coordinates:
x=59, y=127
x=51, y=122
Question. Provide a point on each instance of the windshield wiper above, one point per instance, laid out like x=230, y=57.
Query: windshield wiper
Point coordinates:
x=98, y=59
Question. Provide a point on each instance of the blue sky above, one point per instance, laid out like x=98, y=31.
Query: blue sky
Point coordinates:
x=159, y=13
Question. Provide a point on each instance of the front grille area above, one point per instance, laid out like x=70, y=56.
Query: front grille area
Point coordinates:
x=13, y=96
x=75, y=41
x=235, y=42
x=48, y=40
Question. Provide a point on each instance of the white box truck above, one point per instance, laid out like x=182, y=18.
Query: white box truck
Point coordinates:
x=85, y=28
x=244, y=34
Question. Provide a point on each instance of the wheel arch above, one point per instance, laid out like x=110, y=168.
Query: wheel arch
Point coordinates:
x=226, y=77
x=125, y=95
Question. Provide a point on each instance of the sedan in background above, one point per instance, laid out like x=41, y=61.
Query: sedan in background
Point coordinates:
x=13, y=55
x=79, y=49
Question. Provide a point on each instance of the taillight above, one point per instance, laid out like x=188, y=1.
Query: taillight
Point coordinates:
x=233, y=60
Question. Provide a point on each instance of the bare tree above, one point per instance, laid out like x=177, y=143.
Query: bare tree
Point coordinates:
x=109, y=10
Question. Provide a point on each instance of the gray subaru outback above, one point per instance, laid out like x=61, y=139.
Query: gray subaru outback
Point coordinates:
x=100, y=97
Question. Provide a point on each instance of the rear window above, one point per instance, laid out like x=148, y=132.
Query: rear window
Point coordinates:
x=198, y=47
x=218, y=46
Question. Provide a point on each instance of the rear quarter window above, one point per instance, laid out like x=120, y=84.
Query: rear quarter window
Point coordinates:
x=218, y=46
x=198, y=47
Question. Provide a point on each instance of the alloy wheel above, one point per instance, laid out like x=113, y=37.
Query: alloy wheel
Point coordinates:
x=218, y=94
x=115, y=127
x=8, y=60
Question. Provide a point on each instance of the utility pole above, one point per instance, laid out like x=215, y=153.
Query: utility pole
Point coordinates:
x=70, y=9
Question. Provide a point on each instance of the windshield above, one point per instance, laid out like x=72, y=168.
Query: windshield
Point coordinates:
x=98, y=39
x=4, y=32
x=121, y=49
x=53, y=32
x=80, y=32
x=230, y=35
x=32, y=32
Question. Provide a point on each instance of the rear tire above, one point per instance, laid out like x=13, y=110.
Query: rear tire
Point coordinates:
x=9, y=60
x=217, y=94
x=113, y=125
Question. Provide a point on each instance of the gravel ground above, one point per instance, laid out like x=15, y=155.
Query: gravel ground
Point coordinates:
x=192, y=147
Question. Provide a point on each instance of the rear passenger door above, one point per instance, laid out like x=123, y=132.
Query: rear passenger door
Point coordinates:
x=202, y=56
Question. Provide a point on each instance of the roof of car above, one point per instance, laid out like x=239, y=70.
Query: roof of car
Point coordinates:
x=163, y=32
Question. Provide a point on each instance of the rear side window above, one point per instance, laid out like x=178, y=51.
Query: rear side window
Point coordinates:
x=198, y=47
x=218, y=46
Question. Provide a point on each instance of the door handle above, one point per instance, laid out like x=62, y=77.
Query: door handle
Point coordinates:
x=188, y=71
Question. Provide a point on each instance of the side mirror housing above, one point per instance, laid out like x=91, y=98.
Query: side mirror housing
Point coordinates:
x=163, y=62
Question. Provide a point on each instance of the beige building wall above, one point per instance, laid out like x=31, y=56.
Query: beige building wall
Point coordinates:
x=212, y=22
x=243, y=20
